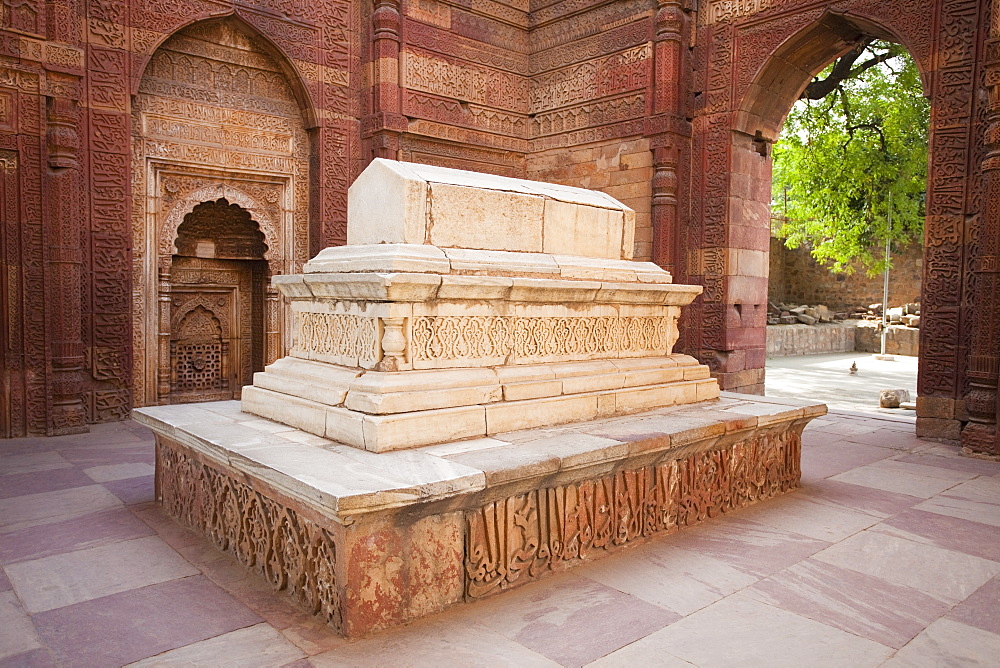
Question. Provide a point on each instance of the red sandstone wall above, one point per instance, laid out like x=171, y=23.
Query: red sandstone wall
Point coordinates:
x=797, y=278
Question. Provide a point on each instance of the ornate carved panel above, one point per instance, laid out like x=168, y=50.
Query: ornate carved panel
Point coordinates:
x=477, y=337
x=517, y=539
x=295, y=554
x=216, y=118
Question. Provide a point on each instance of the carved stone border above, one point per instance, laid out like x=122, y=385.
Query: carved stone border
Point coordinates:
x=293, y=553
x=517, y=539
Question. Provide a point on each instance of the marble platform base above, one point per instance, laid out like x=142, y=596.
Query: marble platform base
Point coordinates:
x=371, y=540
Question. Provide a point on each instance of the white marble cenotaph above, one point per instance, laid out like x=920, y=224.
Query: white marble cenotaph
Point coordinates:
x=481, y=390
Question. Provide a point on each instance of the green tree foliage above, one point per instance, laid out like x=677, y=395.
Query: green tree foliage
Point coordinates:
x=857, y=137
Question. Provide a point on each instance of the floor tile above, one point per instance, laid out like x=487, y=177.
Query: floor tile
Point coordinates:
x=570, y=619
x=951, y=533
x=911, y=564
x=977, y=500
x=925, y=470
x=140, y=623
x=72, y=577
x=443, y=640
x=739, y=631
x=36, y=658
x=258, y=646
x=679, y=580
x=110, y=472
x=877, y=502
x=34, y=509
x=129, y=453
x=751, y=547
x=851, y=601
x=837, y=457
x=4, y=582
x=82, y=532
x=955, y=462
x=42, y=481
x=17, y=633
x=981, y=609
x=809, y=517
x=48, y=460
x=900, y=482
x=949, y=643
x=890, y=439
x=133, y=490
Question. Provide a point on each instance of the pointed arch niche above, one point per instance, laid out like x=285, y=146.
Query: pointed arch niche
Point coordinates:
x=216, y=118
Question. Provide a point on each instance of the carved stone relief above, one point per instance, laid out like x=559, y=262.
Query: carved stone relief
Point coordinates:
x=215, y=118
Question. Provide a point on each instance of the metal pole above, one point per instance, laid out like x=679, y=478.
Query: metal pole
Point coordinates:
x=885, y=279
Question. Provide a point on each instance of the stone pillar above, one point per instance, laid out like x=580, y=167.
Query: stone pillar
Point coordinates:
x=63, y=215
x=385, y=124
x=669, y=131
x=980, y=435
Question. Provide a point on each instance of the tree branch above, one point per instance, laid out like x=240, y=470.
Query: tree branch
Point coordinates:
x=844, y=68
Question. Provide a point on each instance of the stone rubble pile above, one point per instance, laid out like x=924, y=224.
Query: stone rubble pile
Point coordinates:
x=907, y=315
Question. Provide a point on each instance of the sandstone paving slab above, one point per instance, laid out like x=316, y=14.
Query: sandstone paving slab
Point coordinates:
x=4, y=582
x=72, y=577
x=30, y=462
x=810, y=516
x=895, y=464
x=952, y=533
x=753, y=548
x=740, y=630
x=900, y=482
x=893, y=439
x=911, y=564
x=36, y=658
x=133, y=491
x=17, y=633
x=851, y=601
x=139, y=623
x=47, y=507
x=85, y=531
x=953, y=460
x=570, y=619
x=837, y=457
x=130, y=453
x=679, y=580
x=111, y=472
x=36, y=482
x=948, y=643
x=868, y=500
x=977, y=500
x=258, y=646
x=981, y=609
x=442, y=640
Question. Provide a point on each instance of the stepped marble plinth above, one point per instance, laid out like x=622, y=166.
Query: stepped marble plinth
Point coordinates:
x=466, y=305
x=371, y=540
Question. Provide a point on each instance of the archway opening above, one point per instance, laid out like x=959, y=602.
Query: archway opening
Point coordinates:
x=841, y=224
x=218, y=112
x=218, y=279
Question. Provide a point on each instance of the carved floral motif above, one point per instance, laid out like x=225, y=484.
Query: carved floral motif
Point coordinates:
x=292, y=552
x=476, y=337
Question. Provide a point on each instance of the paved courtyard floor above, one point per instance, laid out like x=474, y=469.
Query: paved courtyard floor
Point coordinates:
x=826, y=379
x=889, y=554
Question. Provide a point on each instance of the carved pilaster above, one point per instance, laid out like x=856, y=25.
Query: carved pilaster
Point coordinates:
x=667, y=107
x=980, y=434
x=64, y=190
x=385, y=124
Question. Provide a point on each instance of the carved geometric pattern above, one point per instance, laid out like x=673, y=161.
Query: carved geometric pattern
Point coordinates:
x=472, y=337
x=339, y=334
x=292, y=552
x=517, y=539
